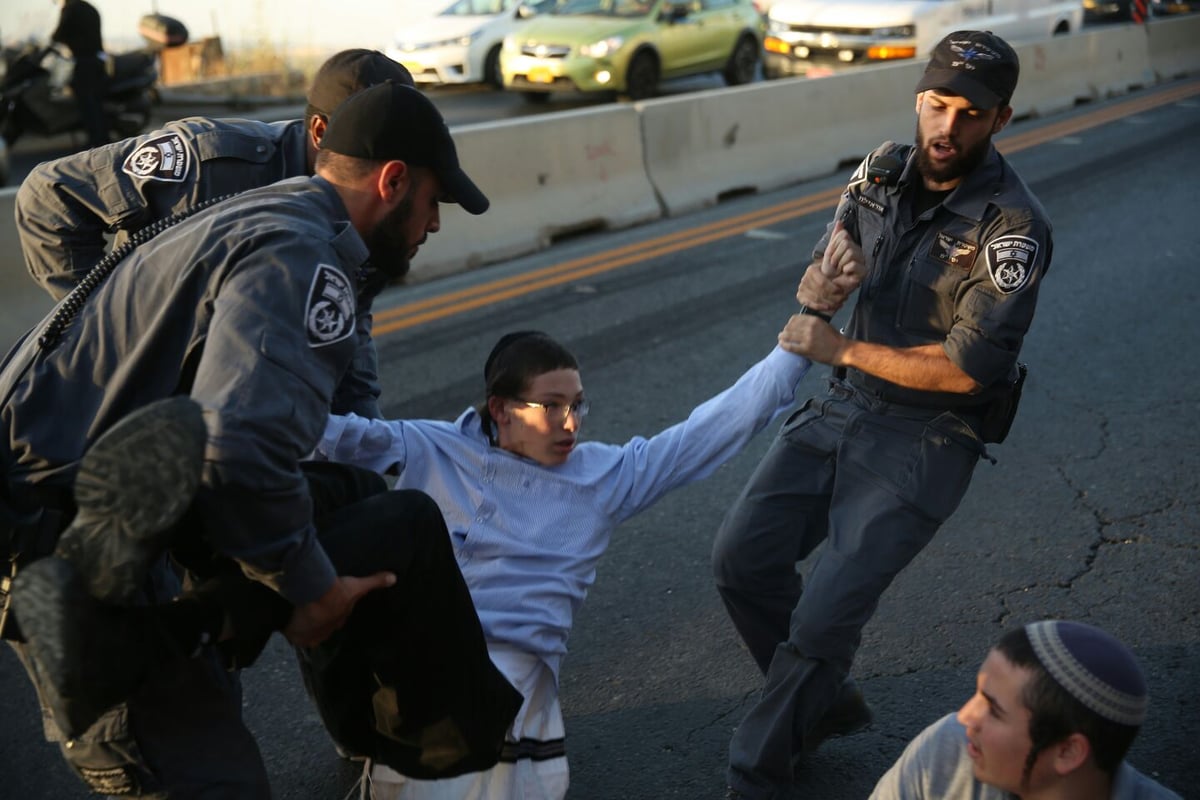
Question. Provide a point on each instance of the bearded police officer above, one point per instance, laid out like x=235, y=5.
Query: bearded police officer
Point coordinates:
x=203, y=362
x=65, y=207
x=955, y=247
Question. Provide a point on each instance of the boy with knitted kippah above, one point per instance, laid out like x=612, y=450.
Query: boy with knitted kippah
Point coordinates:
x=1055, y=708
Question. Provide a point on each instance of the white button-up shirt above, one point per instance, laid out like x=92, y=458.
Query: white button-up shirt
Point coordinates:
x=527, y=536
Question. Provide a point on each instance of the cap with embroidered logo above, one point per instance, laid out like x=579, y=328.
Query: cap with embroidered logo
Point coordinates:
x=391, y=122
x=977, y=65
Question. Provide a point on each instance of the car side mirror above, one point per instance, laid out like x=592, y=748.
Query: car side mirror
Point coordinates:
x=525, y=11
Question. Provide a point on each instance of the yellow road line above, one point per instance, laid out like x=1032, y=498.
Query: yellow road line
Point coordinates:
x=417, y=312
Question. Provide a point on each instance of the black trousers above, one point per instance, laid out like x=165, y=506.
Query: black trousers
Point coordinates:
x=89, y=83
x=409, y=673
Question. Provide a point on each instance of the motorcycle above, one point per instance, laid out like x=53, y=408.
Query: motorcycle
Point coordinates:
x=35, y=98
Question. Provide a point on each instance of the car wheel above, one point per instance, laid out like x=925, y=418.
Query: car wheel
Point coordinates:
x=536, y=98
x=742, y=62
x=641, y=81
x=491, y=69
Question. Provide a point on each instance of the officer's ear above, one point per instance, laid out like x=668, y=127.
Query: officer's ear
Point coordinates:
x=1002, y=119
x=920, y=97
x=393, y=182
x=316, y=129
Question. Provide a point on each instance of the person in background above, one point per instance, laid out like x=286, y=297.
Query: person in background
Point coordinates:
x=1056, y=706
x=925, y=375
x=79, y=29
x=65, y=207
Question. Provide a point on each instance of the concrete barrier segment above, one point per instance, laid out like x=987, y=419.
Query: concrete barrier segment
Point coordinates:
x=1174, y=45
x=1053, y=75
x=703, y=146
x=1117, y=60
x=546, y=176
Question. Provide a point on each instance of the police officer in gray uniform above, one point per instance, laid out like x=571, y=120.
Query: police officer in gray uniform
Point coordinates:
x=955, y=246
x=204, y=362
x=65, y=207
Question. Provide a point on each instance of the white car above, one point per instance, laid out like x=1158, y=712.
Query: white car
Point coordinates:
x=461, y=44
x=817, y=37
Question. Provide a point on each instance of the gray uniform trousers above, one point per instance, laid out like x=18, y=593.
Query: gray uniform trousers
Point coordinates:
x=874, y=481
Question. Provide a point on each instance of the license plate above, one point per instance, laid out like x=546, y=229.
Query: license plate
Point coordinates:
x=540, y=75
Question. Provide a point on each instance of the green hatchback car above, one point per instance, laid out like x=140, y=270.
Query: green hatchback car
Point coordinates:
x=628, y=46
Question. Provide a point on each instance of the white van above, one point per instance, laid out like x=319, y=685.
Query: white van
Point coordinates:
x=461, y=44
x=818, y=37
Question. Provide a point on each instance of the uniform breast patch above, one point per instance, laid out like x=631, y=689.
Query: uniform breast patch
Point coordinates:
x=1010, y=261
x=330, y=309
x=954, y=251
x=163, y=158
x=867, y=202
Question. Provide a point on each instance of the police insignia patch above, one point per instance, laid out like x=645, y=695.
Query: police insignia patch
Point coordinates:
x=330, y=309
x=163, y=158
x=954, y=251
x=1010, y=261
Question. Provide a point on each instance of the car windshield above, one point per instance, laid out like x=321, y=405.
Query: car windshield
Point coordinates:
x=603, y=8
x=474, y=8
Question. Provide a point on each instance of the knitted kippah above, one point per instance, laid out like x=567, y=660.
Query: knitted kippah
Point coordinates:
x=1093, y=667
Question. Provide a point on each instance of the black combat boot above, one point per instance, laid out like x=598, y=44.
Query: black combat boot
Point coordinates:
x=133, y=485
x=89, y=655
x=848, y=715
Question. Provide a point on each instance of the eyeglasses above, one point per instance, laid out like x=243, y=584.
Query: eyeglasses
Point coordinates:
x=557, y=413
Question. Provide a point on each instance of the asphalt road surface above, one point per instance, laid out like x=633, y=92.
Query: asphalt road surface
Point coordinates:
x=1091, y=511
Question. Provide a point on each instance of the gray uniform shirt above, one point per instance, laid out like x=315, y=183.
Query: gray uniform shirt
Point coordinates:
x=65, y=207
x=964, y=273
x=249, y=306
x=936, y=766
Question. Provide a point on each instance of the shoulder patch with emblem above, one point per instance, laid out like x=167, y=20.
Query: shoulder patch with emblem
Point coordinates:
x=329, y=312
x=954, y=251
x=1010, y=261
x=163, y=158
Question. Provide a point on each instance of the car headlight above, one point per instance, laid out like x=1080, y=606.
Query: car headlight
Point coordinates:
x=897, y=32
x=603, y=48
x=465, y=41
x=775, y=26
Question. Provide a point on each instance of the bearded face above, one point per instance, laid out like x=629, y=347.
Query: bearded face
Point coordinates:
x=953, y=136
x=388, y=242
x=947, y=157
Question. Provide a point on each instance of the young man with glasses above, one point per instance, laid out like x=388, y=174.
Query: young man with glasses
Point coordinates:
x=530, y=510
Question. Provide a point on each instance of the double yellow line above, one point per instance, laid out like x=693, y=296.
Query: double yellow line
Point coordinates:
x=415, y=313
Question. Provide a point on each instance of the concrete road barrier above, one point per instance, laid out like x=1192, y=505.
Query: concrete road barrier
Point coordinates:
x=702, y=146
x=1174, y=46
x=546, y=176
x=1117, y=60
x=1052, y=75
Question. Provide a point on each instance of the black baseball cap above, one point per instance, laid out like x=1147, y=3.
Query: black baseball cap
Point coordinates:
x=977, y=65
x=351, y=71
x=391, y=122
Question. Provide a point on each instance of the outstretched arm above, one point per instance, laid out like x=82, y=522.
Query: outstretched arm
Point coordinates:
x=926, y=367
